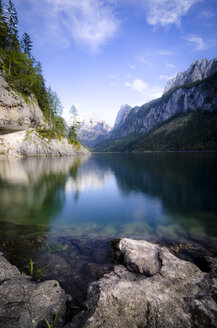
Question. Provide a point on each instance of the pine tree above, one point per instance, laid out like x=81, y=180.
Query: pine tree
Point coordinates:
x=12, y=24
x=26, y=44
x=13, y=42
x=3, y=27
x=76, y=124
x=55, y=105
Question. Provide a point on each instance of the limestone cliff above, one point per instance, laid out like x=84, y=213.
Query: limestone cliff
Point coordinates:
x=31, y=143
x=121, y=116
x=20, y=116
x=199, y=70
x=17, y=112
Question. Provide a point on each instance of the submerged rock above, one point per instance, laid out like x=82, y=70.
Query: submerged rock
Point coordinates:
x=150, y=288
x=25, y=304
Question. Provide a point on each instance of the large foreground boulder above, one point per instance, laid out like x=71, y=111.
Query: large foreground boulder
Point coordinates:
x=25, y=304
x=151, y=288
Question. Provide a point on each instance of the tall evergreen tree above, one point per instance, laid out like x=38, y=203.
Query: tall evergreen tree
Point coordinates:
x=3, y=27
x=76, y=124
x=55, y=105
x=12, y=23
x=26, y=44
x=13, y=42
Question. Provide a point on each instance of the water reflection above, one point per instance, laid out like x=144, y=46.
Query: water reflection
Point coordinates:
x=33, y=190
x=80, y=203
x=152, y=195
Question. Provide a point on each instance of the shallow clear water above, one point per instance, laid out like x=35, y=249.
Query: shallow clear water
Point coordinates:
x=81, y=202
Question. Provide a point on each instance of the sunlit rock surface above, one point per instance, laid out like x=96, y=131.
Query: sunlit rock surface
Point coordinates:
x=30, y=143
x=121, y=116
x=151, y=288
x=15, y=111
x=199, y=70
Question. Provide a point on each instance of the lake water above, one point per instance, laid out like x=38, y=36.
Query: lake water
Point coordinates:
x=62, y=211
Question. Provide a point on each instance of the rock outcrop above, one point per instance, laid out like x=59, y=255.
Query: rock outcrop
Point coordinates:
x=24, y=303
x=150, y=287
x=199, y=70
x=31, y=143
x=17, y=112
x=121, y=116
x=93, y=131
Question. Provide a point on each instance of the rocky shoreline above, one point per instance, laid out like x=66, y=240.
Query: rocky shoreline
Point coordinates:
x=30, y=143
x=147, y=287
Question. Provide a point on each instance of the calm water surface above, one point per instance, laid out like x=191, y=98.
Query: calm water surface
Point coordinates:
x=80, y=203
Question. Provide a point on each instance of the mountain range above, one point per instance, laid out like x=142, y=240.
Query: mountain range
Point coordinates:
x=184, y=118
x=93, y=131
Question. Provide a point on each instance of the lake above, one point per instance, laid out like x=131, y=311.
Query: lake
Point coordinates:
x=63, y=211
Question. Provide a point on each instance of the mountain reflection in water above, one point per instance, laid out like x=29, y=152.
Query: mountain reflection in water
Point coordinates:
x=151, y=195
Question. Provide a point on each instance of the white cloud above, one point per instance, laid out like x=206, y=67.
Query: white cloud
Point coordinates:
x=132, y=67
x=198, y=42
x=144, y=89
x=89, y=22
x=165, y=12
x=137, y=85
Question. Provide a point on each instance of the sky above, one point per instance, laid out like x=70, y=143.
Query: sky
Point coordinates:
x=101, y=54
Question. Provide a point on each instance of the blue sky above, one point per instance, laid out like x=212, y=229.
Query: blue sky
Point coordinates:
x=101, y=54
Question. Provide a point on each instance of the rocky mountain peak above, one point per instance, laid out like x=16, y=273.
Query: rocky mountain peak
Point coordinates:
x=122, y=114
x=92, y=131
x=200, y=69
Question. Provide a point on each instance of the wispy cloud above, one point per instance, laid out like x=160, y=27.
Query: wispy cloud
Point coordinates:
x=144, y=61
x=207, y=14
x=89, y=22
x=198, y=42
x=170, y=66
x=132, y=67
x=146, y=91
x=166, y=12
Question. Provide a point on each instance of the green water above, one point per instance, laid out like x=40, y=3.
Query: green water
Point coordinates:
x=81, y=203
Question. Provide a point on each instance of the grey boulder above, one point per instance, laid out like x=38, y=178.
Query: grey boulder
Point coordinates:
x=160, y=290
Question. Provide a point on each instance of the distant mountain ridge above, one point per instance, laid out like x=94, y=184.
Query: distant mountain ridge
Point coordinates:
x=186, y=95
x=199, y=70
x=92, y=131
